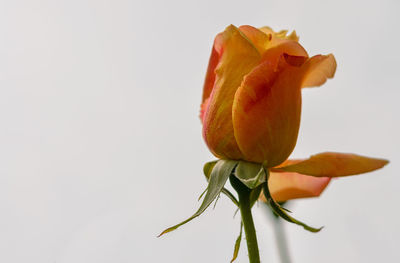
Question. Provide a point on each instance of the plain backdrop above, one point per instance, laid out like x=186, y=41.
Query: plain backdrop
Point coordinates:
x=100, y=140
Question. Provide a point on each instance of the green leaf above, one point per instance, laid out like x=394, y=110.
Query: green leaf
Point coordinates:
x=250, y=174
x=280, y=211
x=237, y=244
x=218, y=177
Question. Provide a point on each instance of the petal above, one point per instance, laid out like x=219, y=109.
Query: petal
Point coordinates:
x=212, y=64
x=279, y=37
x=203, y=109
x=293, y=36
x=266, y=110
x=259, y=39
x=287, y=186
x=267, y=30
x=318, y=69
x=330, y=164
x=287, y=163
x=239, y=56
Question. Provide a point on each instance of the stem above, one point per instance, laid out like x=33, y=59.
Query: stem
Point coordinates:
x=247, y=219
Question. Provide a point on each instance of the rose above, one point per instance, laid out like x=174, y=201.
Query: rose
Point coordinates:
x=251, y=109
x=252, y=94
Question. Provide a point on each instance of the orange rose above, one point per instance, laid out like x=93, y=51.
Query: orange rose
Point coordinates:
x=251, y=109
x=252, y=94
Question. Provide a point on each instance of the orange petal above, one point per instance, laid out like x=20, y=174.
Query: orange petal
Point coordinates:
x=259, y=39
x=279, y=37
x=318, y=69
x=239, y=56
x=330, y=164
x=266, y=111
x=212, y=64
x=287, y=186
x=267, y=30
x=287, y=163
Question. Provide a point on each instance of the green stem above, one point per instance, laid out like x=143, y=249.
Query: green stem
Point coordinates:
x=247, y=219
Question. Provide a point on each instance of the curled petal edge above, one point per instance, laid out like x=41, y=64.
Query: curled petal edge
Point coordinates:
x=318, y=69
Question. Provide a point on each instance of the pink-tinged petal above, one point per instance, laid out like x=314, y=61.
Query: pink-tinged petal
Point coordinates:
x=266, y=110
x=330, y=164
x=318, y=69
x=239, y=56
x=212, y=64
x=203, y=109
x=287, y=186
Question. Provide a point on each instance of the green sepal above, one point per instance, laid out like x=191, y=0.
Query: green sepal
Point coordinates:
x=207, y=172
x=250, y=174
x=220, y=173
x=237, y=244
x=284, y=208
x=281, y=212
x=208, y=167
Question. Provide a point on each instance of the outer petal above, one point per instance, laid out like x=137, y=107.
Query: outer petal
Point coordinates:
x=239, y=56
x=330, y=164
x=216, y=54
x=266, y=110
x=318, y=69
x=287, y=186
x=203, y=109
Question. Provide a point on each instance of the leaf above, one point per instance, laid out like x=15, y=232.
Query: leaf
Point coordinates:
x=250, y=174
x=280, y=211
x=237, y=244
x=218, y=177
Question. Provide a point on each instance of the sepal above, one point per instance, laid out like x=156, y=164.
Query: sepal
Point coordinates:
x=220, y=172
x=207, y=172
x=250, y=174
x=281, y=211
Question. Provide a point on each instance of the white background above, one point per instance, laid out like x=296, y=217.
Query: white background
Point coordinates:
x=100, y=140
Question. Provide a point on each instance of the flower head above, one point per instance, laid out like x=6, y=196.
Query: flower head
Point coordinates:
x=251, y=109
